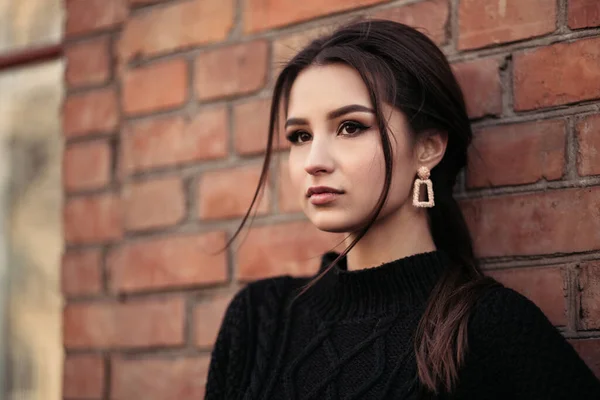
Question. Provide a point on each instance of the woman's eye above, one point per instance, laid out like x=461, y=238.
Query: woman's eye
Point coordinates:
x=348, y=128
x=351, y=128
x=303, y=137
x=298, y=137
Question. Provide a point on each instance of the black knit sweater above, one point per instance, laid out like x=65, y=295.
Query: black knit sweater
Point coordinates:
x=351, y=337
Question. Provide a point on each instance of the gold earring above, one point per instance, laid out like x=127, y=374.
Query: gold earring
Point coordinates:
x=424, y=179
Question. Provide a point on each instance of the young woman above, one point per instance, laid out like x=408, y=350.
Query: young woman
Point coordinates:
x=404, y=312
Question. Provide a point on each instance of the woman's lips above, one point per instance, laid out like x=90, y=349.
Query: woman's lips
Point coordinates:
x=323, y=198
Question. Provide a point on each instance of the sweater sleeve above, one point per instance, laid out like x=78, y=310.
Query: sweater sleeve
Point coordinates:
x=515, y=352
x=231, y=351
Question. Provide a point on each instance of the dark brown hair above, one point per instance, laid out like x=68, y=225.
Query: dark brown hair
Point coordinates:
x=402, y=67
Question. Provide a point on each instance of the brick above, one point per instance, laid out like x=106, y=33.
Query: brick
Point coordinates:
x=517, y=154
x=83, y=377
x=588, y=136
x=155, y=87
x=171, y=141
x=486, y=22
x=557, y=221
x=176, y=27
x=545, y=286
x=251, y=121
x=93, y=219
x=91, y=112
x=589, y=351
x=290, y=248
x=232, y=70
x=429, y=16
x=81, y=272
x=289, y=198
x=208, y=316
x=262, y=15
x=153, y=204
x=481, y=86
x=88, y=63
x=228, y=193
x=87, y=165
x=155, y=322
x=584, y=13
x=558, y=74
x=180, y=378
x=204, y=366
x=85, y=16
x=144, y=2
x=175, y=261
x=589, y=294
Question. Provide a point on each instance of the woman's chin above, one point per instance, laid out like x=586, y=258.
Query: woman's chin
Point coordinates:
x=332, y=224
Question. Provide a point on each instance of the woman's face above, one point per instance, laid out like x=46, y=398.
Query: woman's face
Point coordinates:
x=336, y=143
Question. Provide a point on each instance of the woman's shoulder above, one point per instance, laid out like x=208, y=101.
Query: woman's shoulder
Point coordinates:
x=514, y=351
x=500, y=300
x=513, y=345
x=508, y=311
x=505, y=320
x=264, y=296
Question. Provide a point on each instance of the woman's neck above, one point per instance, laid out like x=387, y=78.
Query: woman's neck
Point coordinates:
x=400, y=234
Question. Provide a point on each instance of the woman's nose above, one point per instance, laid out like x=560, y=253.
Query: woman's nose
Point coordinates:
x=319, y=159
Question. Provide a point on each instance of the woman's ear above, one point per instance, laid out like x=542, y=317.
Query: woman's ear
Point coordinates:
x=430, y=148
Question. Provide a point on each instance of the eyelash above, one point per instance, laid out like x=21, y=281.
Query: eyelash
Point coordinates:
x=294, y=136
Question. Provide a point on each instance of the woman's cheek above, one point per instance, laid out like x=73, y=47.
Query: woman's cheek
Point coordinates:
x=295, y=172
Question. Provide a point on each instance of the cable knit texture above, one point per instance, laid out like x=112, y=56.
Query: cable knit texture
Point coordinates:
x=350, y=336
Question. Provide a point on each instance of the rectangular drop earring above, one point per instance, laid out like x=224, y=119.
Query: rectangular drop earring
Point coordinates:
x=423, y=173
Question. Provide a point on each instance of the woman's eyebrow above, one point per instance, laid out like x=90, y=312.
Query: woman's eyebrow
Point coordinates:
x=333, y=114
x=348, y=109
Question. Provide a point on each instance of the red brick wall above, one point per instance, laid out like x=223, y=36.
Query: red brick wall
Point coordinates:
x=165, y=125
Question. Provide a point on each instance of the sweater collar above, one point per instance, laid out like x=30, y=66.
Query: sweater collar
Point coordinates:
x=389, y=287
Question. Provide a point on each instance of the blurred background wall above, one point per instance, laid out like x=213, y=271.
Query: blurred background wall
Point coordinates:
x=164, y=122
x=31, y=241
